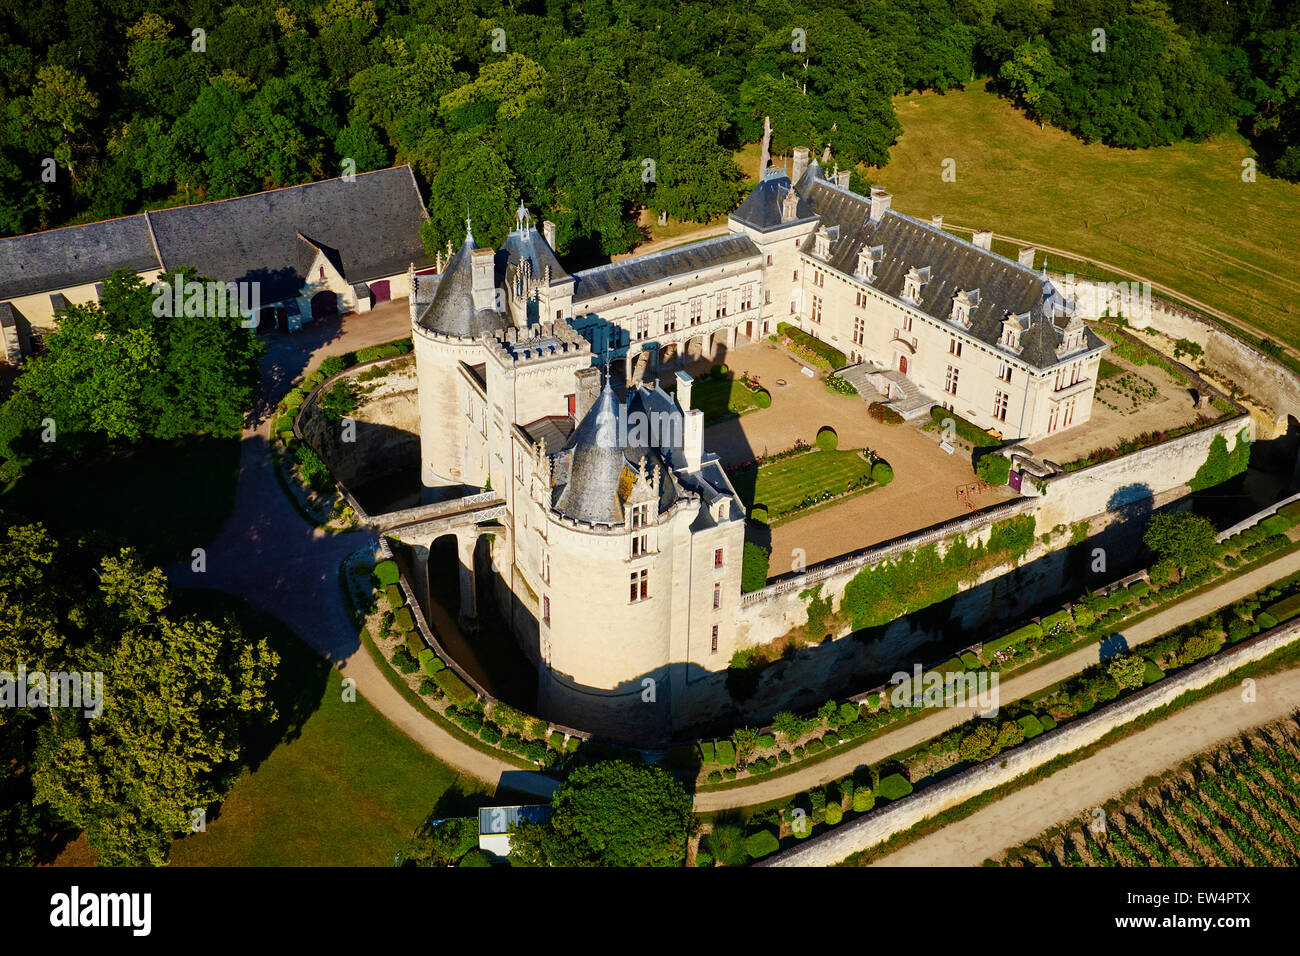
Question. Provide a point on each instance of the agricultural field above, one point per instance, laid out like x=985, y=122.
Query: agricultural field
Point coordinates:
x=1236, y=806
x=1180, y=215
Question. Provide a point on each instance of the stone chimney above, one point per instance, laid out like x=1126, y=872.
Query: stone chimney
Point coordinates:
x=800, y=163
x=841, y=177
x=588, y=390
x=693, y=439
x=879, y=201
x=684, y=382
x=548, y=232
x=483, y=266
x=982, y=239
x=1027, y=256
x=937, y=221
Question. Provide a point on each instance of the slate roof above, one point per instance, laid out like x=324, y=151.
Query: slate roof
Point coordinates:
x=529, y=244
x=642, y=270
x=452, y=310
x=1004, y=286
x=369, y=227
x=556, y=429
x=762, y=207
x=74, y=255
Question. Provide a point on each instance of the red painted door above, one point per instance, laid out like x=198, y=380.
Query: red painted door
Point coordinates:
x=902, y=364
x=381, y=291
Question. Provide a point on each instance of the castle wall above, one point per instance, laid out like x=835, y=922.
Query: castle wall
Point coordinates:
x=453, y=446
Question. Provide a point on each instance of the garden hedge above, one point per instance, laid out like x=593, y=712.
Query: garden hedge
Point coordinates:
x=894, y=787
x=394, y=595
x=1031, y=725
x=964, y=429
x=455, y=688
x=882, y=473
x=1285, y=609
x=833, y=357
x=1291, y=512
x=1053, y=620
x=403, y=621
x=970, y=661
x=863, y=800
x=386, y=573
x=1014, y=639
x=430, y=662
x=760, y=844
x=707, y=753
x=726, y=751
x=834, y=814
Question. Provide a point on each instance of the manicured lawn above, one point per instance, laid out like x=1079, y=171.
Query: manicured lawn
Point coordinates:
x=781, y=485
x=719, y=399
x=336, y=785
x=1180, y=214
x=163, y=497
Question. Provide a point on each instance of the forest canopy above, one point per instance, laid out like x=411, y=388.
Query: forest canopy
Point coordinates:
x=587, y=112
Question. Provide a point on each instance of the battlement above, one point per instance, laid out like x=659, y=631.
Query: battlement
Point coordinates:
x=537, y=343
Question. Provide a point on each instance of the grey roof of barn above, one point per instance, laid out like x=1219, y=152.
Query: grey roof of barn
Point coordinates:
x=643, y=270
x=1004, y=286
x=452, y=312
x=762, y=207
x=74, y=255
x=369, y=227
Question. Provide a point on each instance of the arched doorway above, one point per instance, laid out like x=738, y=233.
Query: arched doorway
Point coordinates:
x=323, y=304
x=902, y=364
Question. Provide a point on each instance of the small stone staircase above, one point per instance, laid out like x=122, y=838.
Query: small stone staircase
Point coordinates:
x=888, y=385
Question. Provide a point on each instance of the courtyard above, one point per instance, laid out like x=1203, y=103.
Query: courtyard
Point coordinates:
x=926, y=482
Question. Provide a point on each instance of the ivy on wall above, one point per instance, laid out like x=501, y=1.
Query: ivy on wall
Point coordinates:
x=1221, y=464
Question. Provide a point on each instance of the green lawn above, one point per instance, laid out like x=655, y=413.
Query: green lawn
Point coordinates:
x=1179, y=214
x=719, y=399
x=164, y=497
x=338, y=786
x=781, y=485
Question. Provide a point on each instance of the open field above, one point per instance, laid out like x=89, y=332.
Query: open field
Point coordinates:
x=1179, y=215
x=1236, y=806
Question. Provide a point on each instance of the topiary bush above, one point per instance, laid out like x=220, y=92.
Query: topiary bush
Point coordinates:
x=456, y=689
x=993, y=469
x=894, y=787
x=404, y=662
x=394, y=596
x=726, y=752
x=827, y=439
x=332, y=366
x=386, y=573
x=882, y=473
x=763, y=398
x=834, y=814
x=863, y=800
x=760, y=844
x=403, y=621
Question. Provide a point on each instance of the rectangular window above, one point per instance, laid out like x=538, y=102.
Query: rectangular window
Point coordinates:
x=1069, y=414
x=954, y=348
x=717, y=558
x=697, y=310
x=640, y=545
x=950, y=381
x=640, y=516
x=1051, y=419
x=640, y=585
x=816, y=314
x=720, y=305
x=714, y=648
x=1076, y=370
x=767, y=296
x=717, y=596
x=746, y=296
x=546, y=610
x=1004, y=372
x=796, y=275
x=1000, y=406
x=573, y=403
x=769, y=258
x=907, y=323
x=859, y=331
x=819, y=279
x=642, y=326
x=670, y=318
x=546, y=566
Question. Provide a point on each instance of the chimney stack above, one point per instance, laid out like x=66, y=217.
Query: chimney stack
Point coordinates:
x=800, y=163
x=588, y=390
x=879, y=201
x=983, y=239
x=483, y=266
x=1027, y=257
x=693, y=439
x=548, y=232
x=937, y=221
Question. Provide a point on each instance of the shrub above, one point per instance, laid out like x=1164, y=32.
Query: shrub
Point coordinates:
x=430, y=688
x=1138, y=589
x=386, y=573
x=970, y=661
x=863, y=800
x=730, y=773
x=404, y=662
x=292, y=400
x=1151, y=673
x=701, y=857
x=754, y=565
x=763, y=398
x=490, y=734
x=827, y=439
x=757, y=513
x=812, y=349
x=784, y=756
x=894, y=787
x=456, y=689
x=332, y=366
x=1284, y=610
x=1048, y=722
x=1083, y=616
x=834, y=814
x=766, y=741
x=394, y=596
x=881, y=473
x=840, y=386
x=1265, y=620
x=817, y=799
x=884, y=414
x=726, y=751
x=760, y=844
x=283, y=424
x=848, y=713
x=994, y=469
x=707, y=753
x=715, y=776
x=403, y=621
x=718, y=372
x=815, y=746
x=430, y=663
x=1031, y=725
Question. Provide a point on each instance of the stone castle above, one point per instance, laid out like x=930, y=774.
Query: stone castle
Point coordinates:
x=617, y=538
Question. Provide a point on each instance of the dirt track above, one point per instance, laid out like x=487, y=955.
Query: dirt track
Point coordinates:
x=1078, y=788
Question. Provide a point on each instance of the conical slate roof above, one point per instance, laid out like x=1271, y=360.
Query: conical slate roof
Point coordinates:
x=591, y=494
x=452, y=310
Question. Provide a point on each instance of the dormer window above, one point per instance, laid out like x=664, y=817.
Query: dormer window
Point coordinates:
x=868, y=256
x=822, y=243
x=1072, y=338
x=1013, y=326
x=789, y=206
x=962, y=303
x=914, y=281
